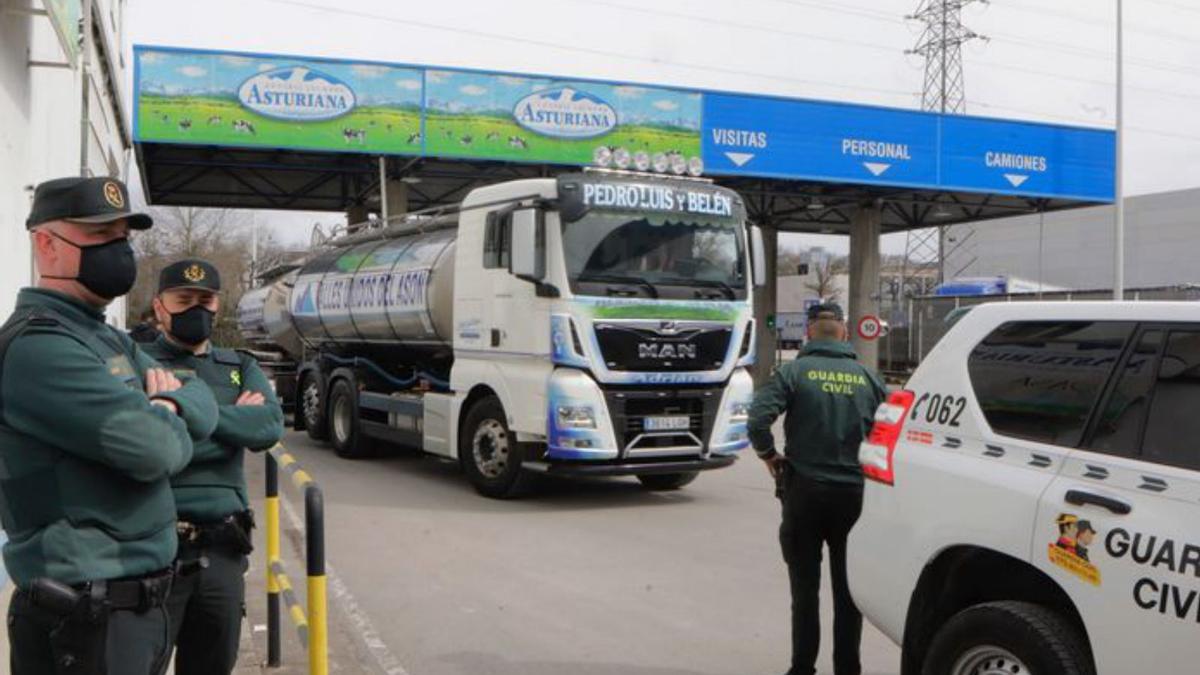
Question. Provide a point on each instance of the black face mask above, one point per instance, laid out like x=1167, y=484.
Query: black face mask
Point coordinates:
x=107, y=269
x=193, y=325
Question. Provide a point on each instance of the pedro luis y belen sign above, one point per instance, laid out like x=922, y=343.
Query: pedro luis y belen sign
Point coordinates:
x=581, y=193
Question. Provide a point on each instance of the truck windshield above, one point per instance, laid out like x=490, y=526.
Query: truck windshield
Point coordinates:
x=668, y=256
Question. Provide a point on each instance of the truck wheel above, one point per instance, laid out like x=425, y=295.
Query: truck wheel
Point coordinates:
x=1009, y=638
x=490, y=454
x=667, y=481
x=347, y=436
x=309, y=406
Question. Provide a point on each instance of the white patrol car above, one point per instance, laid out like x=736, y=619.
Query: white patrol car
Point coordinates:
x=1033, y=495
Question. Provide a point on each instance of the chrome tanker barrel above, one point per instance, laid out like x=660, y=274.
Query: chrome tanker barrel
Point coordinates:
x=264, y=319
x=250, y=316
x=391, y=287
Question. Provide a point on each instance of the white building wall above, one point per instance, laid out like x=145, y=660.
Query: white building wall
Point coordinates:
x=1161, y=245
x=40, y=125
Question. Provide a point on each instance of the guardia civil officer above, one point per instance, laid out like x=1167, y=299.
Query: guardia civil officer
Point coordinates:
x=91, y=429
x=829, y=402
x=210, y=494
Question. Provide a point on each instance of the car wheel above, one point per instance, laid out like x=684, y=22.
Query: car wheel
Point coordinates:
x=667, y=481
x=490, y=454
x=312, y=408
x=344, y=429
x=1008, y=638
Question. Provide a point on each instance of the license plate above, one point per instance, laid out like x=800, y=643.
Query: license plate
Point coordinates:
x=666, y=423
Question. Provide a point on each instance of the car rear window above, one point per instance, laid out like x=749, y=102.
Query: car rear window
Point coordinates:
x=1039, y=380
x=1173, y=425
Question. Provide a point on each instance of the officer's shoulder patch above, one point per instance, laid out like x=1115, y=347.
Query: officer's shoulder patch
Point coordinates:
x=225, y=357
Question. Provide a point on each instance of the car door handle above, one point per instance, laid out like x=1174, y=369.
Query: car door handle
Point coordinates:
x=1081, y=497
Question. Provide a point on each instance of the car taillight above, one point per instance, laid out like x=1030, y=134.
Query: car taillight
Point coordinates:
x=875, y=454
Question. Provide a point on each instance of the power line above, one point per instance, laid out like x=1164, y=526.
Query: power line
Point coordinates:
x=734, y=24
x=1083, y=120
x=1092, y=19
x=584, y=50
x=1095, y=54
x=1175, y=5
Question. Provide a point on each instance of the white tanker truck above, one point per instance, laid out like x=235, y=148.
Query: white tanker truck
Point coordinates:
x=594, y=324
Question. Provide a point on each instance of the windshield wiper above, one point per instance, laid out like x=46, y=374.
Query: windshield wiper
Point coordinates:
x=651, y=290
x=716, y=283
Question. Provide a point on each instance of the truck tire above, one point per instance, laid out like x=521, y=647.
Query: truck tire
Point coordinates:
x=311, y=408
x=490, y=455
x=1014, y=638
x=344, y=430
x=667, y=481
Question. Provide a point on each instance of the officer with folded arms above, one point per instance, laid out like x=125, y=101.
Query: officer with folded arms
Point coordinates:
x=829, y=400
x=210, y=494
x=91, y=429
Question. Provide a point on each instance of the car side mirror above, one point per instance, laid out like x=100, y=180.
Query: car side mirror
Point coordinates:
x=527, y=258
x=758, y=256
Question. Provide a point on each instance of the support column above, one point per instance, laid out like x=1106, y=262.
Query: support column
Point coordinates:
x=864, y=277
x=394, y=198
x=764, y=304
x=356, y=215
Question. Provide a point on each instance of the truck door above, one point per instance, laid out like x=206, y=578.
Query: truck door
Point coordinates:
x=1117, y=527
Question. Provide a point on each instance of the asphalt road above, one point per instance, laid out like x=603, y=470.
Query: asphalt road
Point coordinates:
x=595, y=578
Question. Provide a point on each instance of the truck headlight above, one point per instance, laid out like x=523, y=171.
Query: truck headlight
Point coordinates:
x=739, y=412
x=576, y=417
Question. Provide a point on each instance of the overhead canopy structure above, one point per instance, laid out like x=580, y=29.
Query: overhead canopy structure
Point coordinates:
x=281, y=132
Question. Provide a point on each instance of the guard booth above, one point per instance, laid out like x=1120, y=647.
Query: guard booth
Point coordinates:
x=239, y=130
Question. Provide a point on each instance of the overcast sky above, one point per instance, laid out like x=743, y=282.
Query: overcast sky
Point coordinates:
x=1046, y=60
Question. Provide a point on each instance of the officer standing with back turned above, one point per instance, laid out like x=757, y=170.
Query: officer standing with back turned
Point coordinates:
x=91, y=429
x=829, y=400
x=214, y=511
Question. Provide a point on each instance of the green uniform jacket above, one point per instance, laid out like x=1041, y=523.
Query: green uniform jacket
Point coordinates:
x=85, y=457
x=830, y=401
x=214, y=484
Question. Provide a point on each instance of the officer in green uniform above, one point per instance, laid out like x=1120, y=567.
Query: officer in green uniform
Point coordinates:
x=91, y=429
x=829, y=400
x=214, y=512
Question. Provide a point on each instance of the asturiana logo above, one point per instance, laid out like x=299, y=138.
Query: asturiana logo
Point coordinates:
x=296, y=93
x=564, y=112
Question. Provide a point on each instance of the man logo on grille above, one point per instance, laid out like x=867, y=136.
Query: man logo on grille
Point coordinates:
x=655, y=350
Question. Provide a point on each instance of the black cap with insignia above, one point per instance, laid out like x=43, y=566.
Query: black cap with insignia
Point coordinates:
x=826, y=310
x=84, y=200
x=189, y=273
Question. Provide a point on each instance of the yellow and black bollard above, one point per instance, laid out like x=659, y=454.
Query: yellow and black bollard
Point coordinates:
x=311, y=626
x=274, y=656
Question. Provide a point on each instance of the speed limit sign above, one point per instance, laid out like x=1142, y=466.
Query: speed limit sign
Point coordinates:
x=869, y=327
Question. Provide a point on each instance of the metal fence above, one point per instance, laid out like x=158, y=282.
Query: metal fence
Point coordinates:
x=917, y=326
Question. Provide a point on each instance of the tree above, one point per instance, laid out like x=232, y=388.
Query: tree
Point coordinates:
x=826, y=271
x=223, y=237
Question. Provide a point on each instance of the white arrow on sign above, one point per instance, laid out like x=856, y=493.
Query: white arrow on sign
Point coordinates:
x=1016, y=179
x=876, y=168
x=739, y=158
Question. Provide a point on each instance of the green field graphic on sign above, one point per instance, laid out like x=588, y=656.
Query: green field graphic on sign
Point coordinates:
x=534, y=119
x=189, y=97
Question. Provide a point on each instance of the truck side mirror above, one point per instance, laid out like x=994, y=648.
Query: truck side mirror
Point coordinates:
x=527, y=258
x=758, y=256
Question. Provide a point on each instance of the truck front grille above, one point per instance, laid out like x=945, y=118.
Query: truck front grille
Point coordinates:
x=629, y=347
x=630, y=406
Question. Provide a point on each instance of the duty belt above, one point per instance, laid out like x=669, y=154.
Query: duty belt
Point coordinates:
x=137, y=594
x=232, y=531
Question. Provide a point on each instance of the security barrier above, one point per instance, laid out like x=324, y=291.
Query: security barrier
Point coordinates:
x=311, y=625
